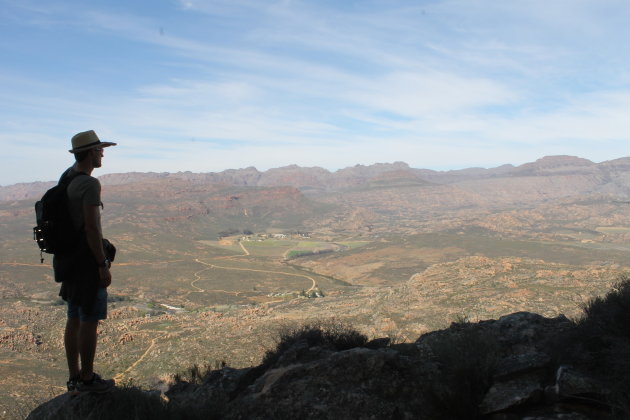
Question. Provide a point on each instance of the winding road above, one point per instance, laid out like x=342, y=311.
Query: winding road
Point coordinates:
x=120, y=376
x=210, y=265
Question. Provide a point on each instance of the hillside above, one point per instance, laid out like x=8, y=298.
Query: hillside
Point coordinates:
x=552, y=195
x=520, y=366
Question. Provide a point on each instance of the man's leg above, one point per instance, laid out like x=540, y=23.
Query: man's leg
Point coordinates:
x=87, y=348
x=71, y=343
x=88, y=380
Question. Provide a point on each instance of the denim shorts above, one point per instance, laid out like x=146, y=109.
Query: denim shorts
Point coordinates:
x=99, y=310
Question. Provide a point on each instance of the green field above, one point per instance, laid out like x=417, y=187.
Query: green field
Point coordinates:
x=280, y=248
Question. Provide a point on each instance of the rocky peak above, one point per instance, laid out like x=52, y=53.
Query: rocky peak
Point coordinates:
x=555, y=165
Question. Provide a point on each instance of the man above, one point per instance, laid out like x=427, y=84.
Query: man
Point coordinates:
x=84, y=273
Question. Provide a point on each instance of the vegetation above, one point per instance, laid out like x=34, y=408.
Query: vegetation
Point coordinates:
x=334, y=335
x=609, y=315
x=464, y=357
x=601, y=340
x=196, y=374
x=227, y=232
x=111, y=298
x=467, y=358
x=297, y=254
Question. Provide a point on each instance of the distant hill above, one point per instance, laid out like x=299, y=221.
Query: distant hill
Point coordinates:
x=376, y=199
x=550, y=195
x=577, y=175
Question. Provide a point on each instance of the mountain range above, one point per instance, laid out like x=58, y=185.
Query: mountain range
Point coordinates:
x=606, y=177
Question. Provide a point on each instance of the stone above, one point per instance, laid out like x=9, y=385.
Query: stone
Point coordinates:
x=513, y=392
x=572, y=382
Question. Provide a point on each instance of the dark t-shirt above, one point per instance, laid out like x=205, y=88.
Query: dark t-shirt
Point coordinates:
x=78, y=271
x=84, y=190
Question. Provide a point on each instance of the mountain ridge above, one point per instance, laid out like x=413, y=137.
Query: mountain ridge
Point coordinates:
x=317, y=179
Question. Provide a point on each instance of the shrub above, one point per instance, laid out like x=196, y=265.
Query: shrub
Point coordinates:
x=334, y=335
x=600, y=343
x=198, y=375
x=193, y=375
x=466, y=358
x=605, y=328
x=610, y=315
x=297, y=254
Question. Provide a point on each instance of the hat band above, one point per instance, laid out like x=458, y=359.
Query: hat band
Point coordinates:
x=88, y=145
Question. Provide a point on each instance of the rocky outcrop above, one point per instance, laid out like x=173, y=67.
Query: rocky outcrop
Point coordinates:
x=496, y=369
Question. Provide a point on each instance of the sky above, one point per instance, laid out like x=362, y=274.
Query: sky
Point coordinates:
x=209, y=85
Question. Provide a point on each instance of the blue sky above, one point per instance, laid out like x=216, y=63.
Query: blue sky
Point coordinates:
x=208, y=85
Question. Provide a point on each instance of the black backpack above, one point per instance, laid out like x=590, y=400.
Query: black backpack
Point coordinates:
x=55, y=232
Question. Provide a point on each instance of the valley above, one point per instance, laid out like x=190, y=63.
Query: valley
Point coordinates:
x=211, y=266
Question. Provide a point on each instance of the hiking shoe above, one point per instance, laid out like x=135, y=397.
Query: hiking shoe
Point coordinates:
x=72, y=384
x=96, y=384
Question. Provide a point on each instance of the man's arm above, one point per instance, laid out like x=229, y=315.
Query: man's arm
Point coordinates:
x=94, y=237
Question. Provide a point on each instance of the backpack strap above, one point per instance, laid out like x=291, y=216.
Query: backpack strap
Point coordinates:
x=68, y=175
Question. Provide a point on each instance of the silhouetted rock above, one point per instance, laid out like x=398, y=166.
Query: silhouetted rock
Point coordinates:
x=496, y=369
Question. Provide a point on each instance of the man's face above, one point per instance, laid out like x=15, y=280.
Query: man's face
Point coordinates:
x=97, y=155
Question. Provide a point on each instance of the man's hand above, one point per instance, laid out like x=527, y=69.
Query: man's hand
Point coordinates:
x=105, y=277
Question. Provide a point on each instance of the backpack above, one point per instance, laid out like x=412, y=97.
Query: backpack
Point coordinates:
x=55, y=232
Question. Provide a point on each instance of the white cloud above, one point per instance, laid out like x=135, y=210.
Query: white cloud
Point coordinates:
x=239, y=83
x=420, y=95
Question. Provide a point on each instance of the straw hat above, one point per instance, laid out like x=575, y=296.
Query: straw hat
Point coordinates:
x=87, y=140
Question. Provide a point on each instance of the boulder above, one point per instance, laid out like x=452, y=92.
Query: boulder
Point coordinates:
x=496, y=369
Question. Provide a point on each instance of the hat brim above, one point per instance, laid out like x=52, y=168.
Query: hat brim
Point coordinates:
x=100, y=145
